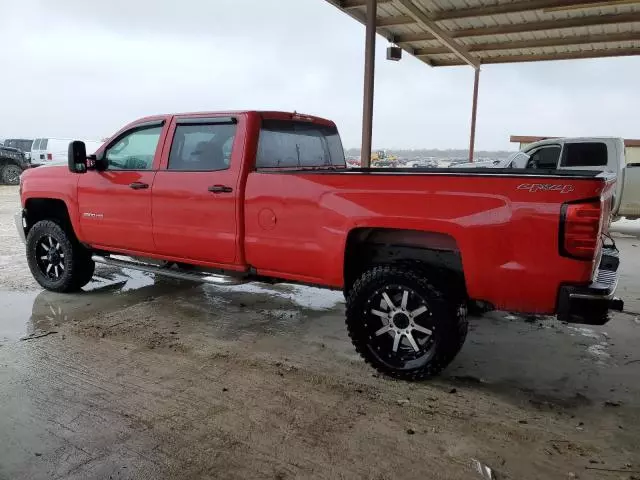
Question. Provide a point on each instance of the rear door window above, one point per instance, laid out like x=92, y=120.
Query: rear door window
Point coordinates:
x=36, y=144
x=202, y=147
x=44, y=142
x=286, y=143
x=591, y=154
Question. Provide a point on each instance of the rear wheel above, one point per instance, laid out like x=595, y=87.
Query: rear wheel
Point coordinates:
x=402, y=325
x=11, y=174
x=56, y=260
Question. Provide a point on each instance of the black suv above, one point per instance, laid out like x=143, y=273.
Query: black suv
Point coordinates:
x=12, y=163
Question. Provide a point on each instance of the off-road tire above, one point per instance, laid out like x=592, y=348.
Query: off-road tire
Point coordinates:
x=447, y=318
x=78, y=267
x=10, y=174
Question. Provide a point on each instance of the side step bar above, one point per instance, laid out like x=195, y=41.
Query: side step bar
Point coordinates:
x=203, y=277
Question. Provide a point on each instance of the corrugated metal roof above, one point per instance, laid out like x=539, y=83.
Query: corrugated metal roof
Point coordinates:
x=459, y=32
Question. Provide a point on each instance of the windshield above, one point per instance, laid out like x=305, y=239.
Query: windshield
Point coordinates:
x=517, y=160
x=24, y=145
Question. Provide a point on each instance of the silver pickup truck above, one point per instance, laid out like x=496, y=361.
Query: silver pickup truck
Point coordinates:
x=583, y=153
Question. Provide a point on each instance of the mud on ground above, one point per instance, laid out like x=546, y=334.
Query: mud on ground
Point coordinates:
x=140, y=377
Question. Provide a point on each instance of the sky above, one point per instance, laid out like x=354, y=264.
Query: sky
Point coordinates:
x=82, y=69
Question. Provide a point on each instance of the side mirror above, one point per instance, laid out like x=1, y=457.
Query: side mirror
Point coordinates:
x=99, y=161
x=77, y=157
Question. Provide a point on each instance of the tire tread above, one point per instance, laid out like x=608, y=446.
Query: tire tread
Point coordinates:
x=455, y=323
x=78, y=272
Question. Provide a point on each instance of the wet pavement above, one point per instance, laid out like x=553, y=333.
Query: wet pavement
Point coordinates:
x=139, y=377
x=504, y=351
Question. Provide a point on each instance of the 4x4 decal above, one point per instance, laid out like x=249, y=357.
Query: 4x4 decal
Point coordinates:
x=545, y=187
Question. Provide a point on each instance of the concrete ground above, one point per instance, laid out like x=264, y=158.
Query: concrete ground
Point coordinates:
x=138, y=377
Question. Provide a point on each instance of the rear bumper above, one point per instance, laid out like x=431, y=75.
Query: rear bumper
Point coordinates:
x=590, y=304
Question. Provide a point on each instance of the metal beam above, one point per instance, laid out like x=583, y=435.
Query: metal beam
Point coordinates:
x=537, y=43
x=520, y=6
x=528, y=27
x=590, y=4
x=474, y=113
x=397, y=20
x=597, y=53
x=500, y=9
x=369, y=74
x=347, y=4
x=428, y=24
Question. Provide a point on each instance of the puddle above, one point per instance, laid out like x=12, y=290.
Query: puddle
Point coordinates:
x=127, y=279
x=25, y=313
x=16, y=312
x=311, y=298
x=277, y=307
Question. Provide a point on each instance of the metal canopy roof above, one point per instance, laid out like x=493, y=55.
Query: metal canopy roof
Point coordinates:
x=475, y=32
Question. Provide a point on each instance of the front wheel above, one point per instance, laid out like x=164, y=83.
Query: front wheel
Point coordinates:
x=402, y=325
x=56, y=260
x=11, y=174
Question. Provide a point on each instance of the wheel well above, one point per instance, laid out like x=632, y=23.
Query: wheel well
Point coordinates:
x=37, y=209
x=432, y=251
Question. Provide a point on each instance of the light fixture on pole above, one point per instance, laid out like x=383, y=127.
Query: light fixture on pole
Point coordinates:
x=394, y=53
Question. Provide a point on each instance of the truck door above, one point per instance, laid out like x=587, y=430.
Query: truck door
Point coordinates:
x=115, y=204
x=195, y=194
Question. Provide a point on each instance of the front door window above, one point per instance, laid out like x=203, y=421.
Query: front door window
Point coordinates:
x=135, y=150
x=545, y=158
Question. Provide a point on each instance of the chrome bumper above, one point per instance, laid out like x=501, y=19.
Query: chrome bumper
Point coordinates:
x=606, y=280
x=20, y=226
x=590, y=304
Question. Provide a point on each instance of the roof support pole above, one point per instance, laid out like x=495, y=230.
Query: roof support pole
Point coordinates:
x=474, y=112
x=369, y=73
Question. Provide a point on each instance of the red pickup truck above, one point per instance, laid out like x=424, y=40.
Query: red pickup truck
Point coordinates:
x=267, y=196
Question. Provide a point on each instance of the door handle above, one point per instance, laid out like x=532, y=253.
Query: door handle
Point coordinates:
x=220, y=189
x=138, y=185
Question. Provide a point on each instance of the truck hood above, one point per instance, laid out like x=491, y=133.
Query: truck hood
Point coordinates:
x=55, y=163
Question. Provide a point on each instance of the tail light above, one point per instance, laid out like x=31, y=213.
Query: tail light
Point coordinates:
x=49, y=156
x=580, y=228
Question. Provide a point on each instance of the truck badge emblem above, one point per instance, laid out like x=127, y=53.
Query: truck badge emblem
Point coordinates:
x=545, y=187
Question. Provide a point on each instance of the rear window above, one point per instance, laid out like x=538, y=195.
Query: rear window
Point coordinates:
x=36, y=144
x=584, y=155
x=43, y=143
x=285, y=143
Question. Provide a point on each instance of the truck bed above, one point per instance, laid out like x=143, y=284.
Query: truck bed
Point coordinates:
x=504, y=224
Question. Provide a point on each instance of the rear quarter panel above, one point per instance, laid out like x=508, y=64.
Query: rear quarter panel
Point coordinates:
x=297, y=225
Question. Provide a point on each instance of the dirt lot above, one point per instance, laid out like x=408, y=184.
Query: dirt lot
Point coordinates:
x=145, y=378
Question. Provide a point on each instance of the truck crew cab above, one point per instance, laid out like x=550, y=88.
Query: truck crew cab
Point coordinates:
x=267, y=196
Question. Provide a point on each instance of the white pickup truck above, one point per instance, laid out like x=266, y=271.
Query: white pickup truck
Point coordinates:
x=584, y=153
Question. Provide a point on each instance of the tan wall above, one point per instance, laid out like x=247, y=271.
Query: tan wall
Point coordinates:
x=632, y=154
